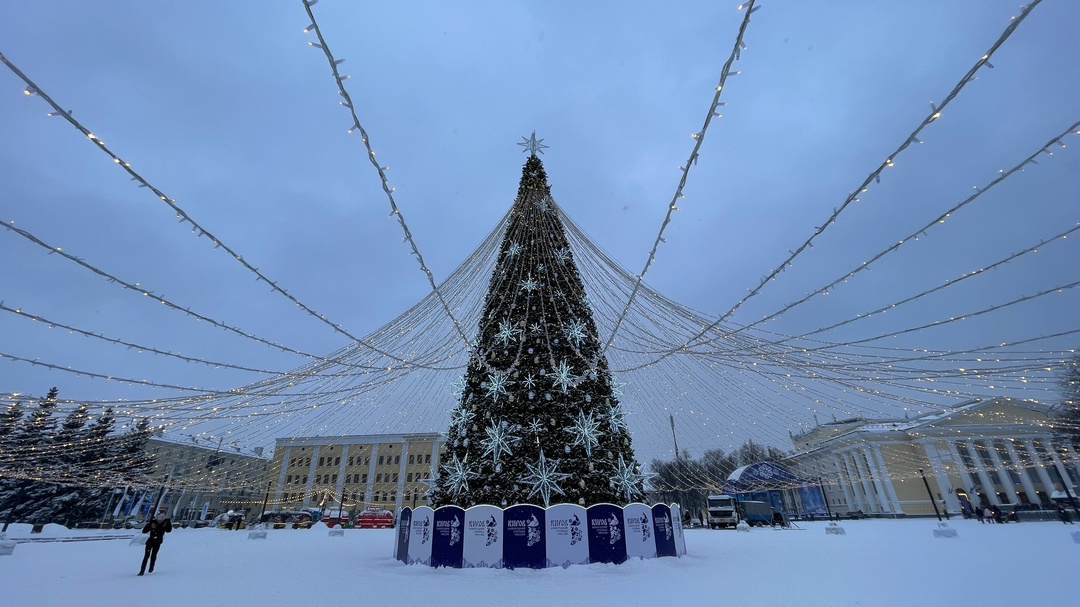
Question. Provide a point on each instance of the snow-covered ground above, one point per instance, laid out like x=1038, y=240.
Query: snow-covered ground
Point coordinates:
x=878, y=562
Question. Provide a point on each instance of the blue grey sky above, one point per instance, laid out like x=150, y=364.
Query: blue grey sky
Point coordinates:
x=225, y=107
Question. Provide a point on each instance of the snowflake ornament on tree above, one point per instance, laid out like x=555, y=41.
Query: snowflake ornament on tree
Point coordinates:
x=544, y=479
x=499, y=440
x=507, y=333
x=586, y=431
x=615, y=418
x=496, y=385
x=458, y=475
x=576, y=331
x=627, y=479
x=562, y=377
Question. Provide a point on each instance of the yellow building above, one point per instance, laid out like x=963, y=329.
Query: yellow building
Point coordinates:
x=198, y=480
x=984, y=452
x=353, y=472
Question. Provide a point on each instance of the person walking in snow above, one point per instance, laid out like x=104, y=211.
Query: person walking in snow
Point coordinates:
x=157, y=527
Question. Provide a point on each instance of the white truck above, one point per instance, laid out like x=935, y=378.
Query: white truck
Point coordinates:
x=722, y=511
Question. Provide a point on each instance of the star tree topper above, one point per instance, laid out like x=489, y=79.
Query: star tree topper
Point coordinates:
x=532, y=145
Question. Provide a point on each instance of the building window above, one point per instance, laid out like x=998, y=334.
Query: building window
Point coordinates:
x=378, y=478
x=288, y=480
x=427, y=458
x=337, y=461
x=380, y=460
x=321, y=461
x=397, y=460
x=408, y=477
x=335, y=480
x=410, y=458
x=395, y=477
x=365, y=479
x=351, y=460
x=367, y=461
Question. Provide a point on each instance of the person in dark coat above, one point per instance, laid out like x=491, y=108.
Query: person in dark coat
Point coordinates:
x=157, y=528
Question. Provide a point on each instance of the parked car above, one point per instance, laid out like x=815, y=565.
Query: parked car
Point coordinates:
x=373, y=518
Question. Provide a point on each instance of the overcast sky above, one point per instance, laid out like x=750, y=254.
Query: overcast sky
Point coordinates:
x=224, y=107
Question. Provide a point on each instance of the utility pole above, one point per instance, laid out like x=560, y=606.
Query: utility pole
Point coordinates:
x=673, y=438
x=930, y=494
x=266, y=499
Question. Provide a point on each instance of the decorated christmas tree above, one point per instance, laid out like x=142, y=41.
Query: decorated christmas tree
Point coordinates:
x=538, y=419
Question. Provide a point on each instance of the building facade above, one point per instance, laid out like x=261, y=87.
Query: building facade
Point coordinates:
x=999, y=452
x=197, y=481
x=353, y=472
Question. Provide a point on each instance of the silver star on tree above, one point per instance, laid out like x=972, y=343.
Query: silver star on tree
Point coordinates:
x=586, y=431
x=507, y=332
x=529, y=284
x=460, y=418
x=499, y=441
x=562, y=376
x=529, y=381
x=615, y=418
x=432, y=483
x=458, y=387
x=626, y=480
x=514, y=249
x=496, y=385
x=458, y=475
x=576, y=331
x=533, y=145
x=544, y=478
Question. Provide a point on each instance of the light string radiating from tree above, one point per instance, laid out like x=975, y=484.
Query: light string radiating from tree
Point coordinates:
x=196, y=228
x=699, y=138
x=922, y=231
x=339, y=80
x=935, y=113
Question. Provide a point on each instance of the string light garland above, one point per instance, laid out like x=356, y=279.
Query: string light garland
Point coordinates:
x=181, y=215
x=395, y=212
x=699, y=138
x=875, y=176
x=766, y=378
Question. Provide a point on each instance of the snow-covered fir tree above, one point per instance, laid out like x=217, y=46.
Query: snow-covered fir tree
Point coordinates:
x=538, y=418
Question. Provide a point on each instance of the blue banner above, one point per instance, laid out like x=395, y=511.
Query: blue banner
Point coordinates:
x=665, y=532
x=607, y=534
x=523, y=537
x=446, y=537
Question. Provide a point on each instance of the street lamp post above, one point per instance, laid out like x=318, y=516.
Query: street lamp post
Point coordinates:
x=930, y=494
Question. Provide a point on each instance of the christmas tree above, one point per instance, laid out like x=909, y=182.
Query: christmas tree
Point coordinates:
x=538, y=419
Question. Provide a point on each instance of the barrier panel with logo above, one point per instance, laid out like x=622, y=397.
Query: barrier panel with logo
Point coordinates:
x=401, y=548
x=523, y=537
x=640, y=535
x=483, y=537
x=529, y=536
x=607, y=534
x=446, y=544
x=420, y=536
x=676, y=524
x=567, y=543
x=665, y=532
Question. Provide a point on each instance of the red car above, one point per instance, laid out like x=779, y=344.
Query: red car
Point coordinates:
x=375, y=519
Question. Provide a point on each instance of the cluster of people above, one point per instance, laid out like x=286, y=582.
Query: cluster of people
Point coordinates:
x=993, y=515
